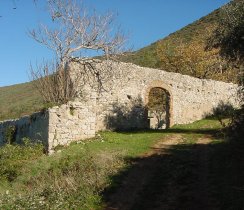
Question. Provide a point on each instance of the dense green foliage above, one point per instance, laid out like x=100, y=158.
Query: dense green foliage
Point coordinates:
x=229, y=37
x=157, y=99
x=229, y=34
x=14, y=157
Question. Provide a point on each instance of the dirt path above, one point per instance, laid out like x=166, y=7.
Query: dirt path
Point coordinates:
x=203, y=197
x=172, y=175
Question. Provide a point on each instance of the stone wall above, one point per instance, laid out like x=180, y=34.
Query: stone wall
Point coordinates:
x=121, y=104
x=56, y=126
x=126, y=95
x=71, y=122
x=34, y=127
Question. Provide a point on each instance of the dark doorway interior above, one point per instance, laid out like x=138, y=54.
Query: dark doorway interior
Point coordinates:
x=159, y=108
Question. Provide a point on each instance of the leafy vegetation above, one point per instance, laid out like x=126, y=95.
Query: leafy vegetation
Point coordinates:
x=193, y=59
x=229, y=33
x=158, y=106
x=157, y=100
x=229, y=38
x=186, y=51
x=87, y=175
x=9, y=134
x=13, y=158
x=70, y=179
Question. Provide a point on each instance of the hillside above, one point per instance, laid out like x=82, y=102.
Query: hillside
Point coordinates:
x=18, y=100
x=190, y=41
x=22, y=99
x=148, y=57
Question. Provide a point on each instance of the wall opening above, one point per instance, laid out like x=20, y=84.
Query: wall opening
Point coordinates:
x=159, y=108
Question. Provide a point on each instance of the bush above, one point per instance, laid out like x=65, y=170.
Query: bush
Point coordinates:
x=72, y=181
x=236, y=129
x=10, y=134
x=13, y=157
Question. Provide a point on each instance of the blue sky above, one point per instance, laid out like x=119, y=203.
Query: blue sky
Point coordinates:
x=145, y=21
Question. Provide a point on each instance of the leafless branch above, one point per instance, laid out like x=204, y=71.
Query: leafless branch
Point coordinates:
x=76, y=32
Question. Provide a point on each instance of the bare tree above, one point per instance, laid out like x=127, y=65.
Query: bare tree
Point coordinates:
x=55, y=84
x=76, y=32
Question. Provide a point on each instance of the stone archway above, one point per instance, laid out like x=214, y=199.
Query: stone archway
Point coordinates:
x=168, y=109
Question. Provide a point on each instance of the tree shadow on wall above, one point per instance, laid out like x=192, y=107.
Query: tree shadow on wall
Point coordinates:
x=221, y=111
x=132, y=115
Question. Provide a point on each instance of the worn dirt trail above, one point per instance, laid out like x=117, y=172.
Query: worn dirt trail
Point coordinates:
x=172, y=175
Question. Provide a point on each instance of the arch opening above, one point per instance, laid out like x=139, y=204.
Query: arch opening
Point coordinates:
x=158, y=108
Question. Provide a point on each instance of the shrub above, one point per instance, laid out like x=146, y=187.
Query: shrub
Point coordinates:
x=236, y=129
x=13, y=157
x=73, y=181
x=10, y=134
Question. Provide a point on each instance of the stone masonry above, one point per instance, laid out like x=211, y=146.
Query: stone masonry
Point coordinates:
x=125, y=96
x=121, y=104
x=34, y=127
x=56, y=126
x=71, y=122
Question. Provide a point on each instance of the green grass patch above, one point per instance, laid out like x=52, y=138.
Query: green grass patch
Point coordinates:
x=79, y=176
x=72, y=178
x=19, y=100
x=206, y=124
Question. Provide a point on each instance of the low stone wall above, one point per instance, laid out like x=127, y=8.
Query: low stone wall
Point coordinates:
x=34, y=127
x=56, y=126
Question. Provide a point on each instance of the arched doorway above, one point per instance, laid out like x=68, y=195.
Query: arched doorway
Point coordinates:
x=159, y=108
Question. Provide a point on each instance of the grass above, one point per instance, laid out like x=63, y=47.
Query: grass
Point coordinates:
x=87, y=174
x=19, y=100
x=74, y=177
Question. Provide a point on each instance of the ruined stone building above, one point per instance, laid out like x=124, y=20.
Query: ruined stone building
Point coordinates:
x=121, y=104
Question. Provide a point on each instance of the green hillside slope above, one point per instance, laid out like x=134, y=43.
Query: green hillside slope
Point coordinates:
x=18, y=100
x=148, y=57
x=179, y=46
